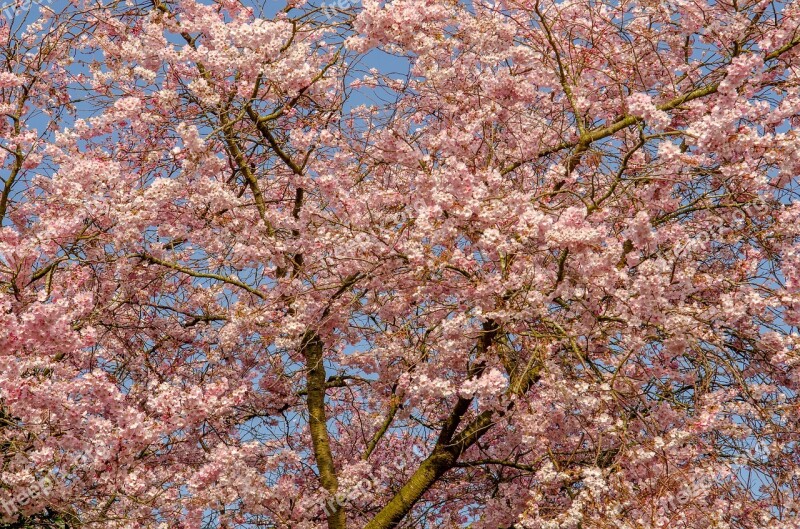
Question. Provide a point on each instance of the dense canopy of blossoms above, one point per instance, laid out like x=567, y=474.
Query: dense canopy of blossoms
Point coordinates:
x=405, y=263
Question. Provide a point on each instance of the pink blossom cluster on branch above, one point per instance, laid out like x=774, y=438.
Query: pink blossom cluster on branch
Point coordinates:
x=546, y=278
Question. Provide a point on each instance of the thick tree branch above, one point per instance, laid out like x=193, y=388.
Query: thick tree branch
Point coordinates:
x=448, y=449
x=311, y=348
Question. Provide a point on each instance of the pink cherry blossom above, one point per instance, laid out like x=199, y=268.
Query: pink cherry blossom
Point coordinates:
x=413, y=263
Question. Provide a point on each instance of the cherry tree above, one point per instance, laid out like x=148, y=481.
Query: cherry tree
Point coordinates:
x=407, y=263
